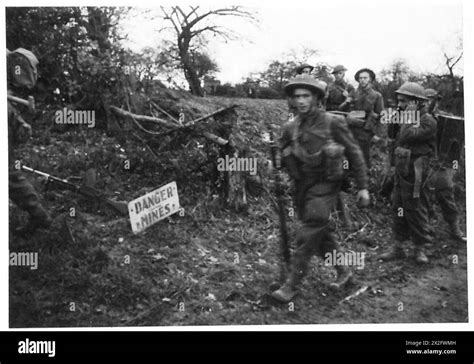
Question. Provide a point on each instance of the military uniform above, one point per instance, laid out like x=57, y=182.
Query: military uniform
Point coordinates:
x=442, y=185
x=411, y=212
x=303, y=144
x=336, y=101
x=371, y=102
x=21, y=191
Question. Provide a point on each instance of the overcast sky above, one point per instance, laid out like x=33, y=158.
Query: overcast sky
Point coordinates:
x=355, y=33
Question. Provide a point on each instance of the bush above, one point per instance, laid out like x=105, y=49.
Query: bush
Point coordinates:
x=268, y=93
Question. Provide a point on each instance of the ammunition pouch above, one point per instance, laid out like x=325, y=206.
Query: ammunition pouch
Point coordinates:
x=334, y=159
x=291, y=163
x=402, y=161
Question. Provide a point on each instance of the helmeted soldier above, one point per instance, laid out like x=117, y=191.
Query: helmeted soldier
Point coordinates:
x=415, y=144
x=442, y=179
x=339, y=92
x=433, y=98
x=21, y=192
x=370, y=102
x=304, y=69
x=314, y=147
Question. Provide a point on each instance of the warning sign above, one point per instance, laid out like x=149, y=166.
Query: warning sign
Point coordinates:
x=153, y=207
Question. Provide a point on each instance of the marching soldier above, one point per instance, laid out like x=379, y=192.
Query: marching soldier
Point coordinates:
x=442, y=179
x=369, y=101
x=415, y=144
x=339, y=92
x=21, y=192
x=304, y=69
x=313, y=148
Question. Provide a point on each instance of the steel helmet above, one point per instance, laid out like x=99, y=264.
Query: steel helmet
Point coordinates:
x=369, y=71
x=306, y=82
x=431, y=93
x=412, y=89
x=300, y=69
x=338, y=68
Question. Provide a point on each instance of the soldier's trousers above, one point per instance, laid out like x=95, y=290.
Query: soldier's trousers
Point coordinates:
x=316, y=236
x=363, y=138
x=442, y=183
x=445, y=198
x=411, y=218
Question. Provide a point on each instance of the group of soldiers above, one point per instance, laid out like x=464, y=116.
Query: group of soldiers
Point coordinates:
x=329, y=126
x=335, y=124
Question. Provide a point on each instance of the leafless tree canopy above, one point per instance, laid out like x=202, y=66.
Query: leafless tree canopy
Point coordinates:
x=192, y=24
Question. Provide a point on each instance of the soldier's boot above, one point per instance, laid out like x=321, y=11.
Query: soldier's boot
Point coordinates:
x=395, y=252
x=420, y=256
x=344, y=276
x=456, y=232
x=286, y=292
x=298, y=269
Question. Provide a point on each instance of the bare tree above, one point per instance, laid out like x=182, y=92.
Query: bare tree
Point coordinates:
x=191, y=26
x=451, y=62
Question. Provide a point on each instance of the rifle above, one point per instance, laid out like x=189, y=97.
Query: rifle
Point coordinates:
x=85, y=190
x=280, y=205
x=387, y=183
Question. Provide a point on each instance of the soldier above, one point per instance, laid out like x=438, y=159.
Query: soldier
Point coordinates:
x=338, y=95
x=432, y=103
x=312, y=148
x=304, y=69
x=442, y=179
x=369, y=101
x=415, y=144
x=21, y=192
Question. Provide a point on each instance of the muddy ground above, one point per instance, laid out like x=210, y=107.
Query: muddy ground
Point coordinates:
x=212, y=265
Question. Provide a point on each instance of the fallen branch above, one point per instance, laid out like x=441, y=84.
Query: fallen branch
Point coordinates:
x=355, y=294
x=212, y=137
x=160, y=109
x=151, y=119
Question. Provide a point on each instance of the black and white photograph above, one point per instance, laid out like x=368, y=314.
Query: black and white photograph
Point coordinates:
x=221, y=164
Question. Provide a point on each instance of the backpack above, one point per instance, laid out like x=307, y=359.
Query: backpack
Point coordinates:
x=22, y=68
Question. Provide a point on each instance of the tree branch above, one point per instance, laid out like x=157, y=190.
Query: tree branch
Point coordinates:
x=168, y=17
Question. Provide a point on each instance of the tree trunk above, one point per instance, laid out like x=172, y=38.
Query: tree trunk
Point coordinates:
x=189, y=72
x=191, y=76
